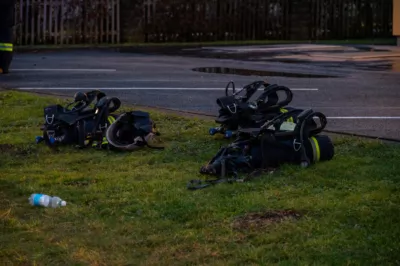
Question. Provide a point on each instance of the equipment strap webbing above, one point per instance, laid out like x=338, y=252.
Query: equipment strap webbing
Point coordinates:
x=196, y=184
x=100, y=123
x=270, y=93
x=7, y=47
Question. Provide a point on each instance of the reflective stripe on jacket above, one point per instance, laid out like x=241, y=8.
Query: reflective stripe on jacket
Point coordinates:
x=6, y=47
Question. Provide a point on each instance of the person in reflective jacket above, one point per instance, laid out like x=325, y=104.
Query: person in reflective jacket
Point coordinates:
x=7, y=9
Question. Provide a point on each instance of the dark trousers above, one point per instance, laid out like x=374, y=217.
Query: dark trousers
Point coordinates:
x=6, y=49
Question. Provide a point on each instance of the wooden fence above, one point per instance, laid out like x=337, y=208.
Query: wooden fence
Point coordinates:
x=100, y=21
x=351, y=19
x=66, y=22
x=193, y=20
x=215, y=20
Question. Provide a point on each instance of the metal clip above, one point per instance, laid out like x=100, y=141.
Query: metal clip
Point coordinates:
x=47, y=119
x=229, y=108
x=298, y=145
x=51, y=133
x=103, y=127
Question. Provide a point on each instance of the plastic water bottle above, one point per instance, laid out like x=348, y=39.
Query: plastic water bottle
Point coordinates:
x=46, y=201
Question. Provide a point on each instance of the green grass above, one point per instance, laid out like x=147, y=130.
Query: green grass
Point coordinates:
x=380, y=41
x=134, y=209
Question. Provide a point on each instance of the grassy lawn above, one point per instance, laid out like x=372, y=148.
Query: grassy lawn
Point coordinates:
x=134, y=209
x=382, y=41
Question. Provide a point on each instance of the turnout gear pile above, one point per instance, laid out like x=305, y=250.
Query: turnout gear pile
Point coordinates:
x=97, y=126
x=291, y=136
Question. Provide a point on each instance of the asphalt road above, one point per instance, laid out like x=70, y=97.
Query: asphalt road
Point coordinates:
x=354, y=100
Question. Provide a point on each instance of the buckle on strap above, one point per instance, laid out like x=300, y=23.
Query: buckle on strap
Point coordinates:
x=229, y=108
x=296, y=145
x=48, y=119
x=51, y=133
x=103, y=127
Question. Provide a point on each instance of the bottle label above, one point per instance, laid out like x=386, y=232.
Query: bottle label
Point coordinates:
x=36, y=199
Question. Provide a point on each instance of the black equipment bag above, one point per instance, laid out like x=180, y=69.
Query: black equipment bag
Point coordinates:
x=276, y=143
x=79, y=125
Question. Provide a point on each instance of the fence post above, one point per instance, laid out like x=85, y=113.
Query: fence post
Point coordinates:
x=118, y=22
x=396, y=20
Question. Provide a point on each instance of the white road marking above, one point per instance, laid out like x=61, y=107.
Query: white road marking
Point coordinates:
x=355, y=107
x=149, y=88
x=364, y=117
x=66, y=69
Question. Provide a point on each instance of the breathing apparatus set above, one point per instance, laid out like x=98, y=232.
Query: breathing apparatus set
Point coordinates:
x=267, y=137
x=90, y=121
x=237, y=111
x=267, y=132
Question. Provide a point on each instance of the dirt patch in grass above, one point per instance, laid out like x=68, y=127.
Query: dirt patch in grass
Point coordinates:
x=6, y=148
x=80, y=183
x=15, y=150
x=261, y=219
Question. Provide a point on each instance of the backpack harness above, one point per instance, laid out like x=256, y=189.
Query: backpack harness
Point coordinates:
x=239, y=112
x=89, y=127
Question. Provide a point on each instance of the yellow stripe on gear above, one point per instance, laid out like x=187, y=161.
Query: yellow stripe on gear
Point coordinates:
x=317, y=148
x=97, y=143
x=111, y=119
x=290, y=119
x=7, y=47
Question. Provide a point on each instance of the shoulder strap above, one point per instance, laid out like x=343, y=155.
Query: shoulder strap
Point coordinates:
x=102, y=113
x=270, y=93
